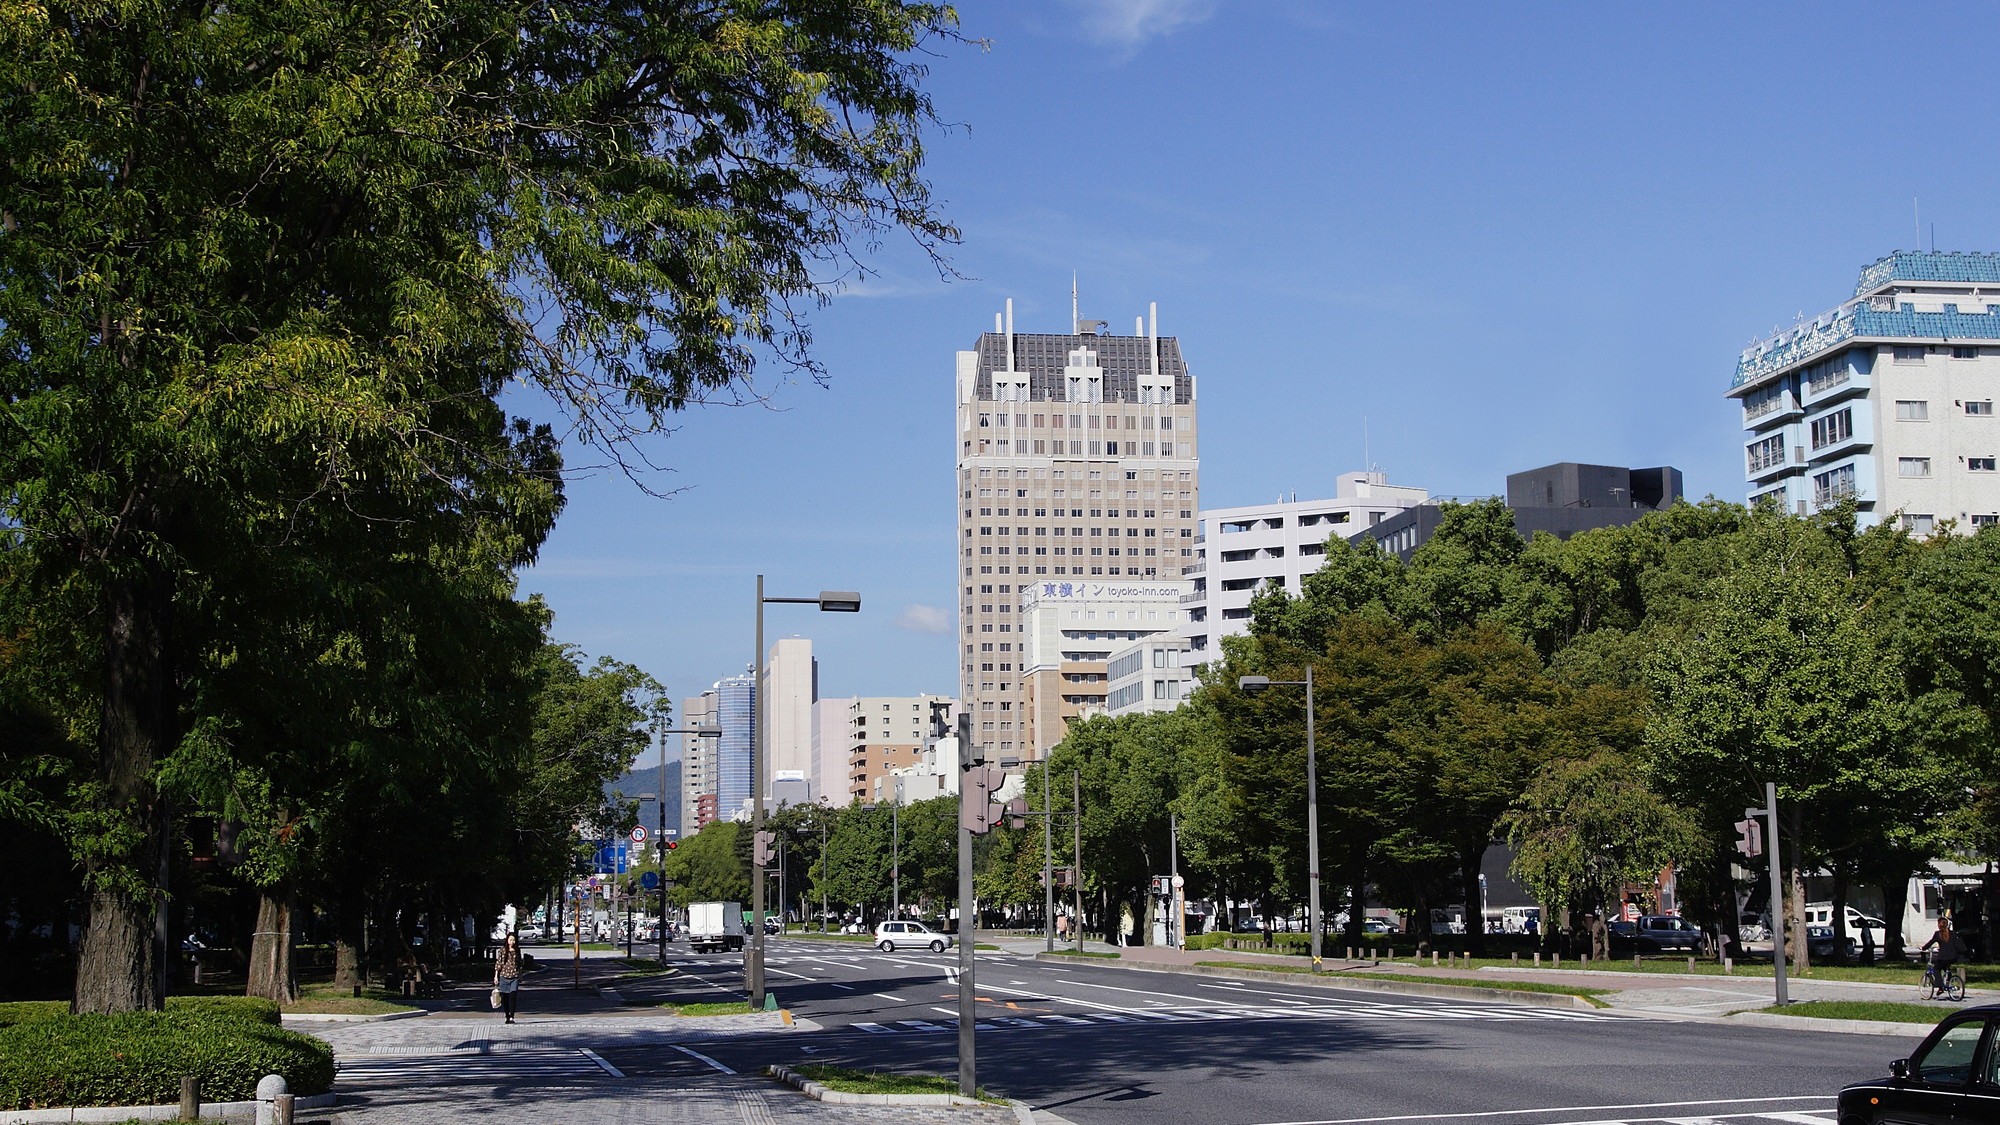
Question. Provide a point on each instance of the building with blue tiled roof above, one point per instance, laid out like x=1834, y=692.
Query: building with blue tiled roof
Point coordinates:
x=1887, y=399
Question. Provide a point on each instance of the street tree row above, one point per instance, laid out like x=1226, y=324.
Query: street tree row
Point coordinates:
x=1608, y=704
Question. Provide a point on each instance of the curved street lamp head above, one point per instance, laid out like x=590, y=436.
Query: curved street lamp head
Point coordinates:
x=1253, y=683
x=839, y=601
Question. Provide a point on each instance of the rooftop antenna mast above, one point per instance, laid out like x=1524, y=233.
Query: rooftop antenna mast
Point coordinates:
x=1074, y=316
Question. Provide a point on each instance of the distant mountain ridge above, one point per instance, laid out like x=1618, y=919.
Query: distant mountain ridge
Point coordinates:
x=646, y=779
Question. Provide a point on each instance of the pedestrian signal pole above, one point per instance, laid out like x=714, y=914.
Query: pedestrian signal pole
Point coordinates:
x=977, y=813
x=1778, y=922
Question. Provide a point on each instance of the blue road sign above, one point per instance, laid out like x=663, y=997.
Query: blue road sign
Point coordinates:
x=650, y=880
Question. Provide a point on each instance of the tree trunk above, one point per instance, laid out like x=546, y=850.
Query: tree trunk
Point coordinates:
x=1795, y=918
x=1895, y=904
x=1357, y=883
x=121, y=958
x=272, y=974
x=1839, y=916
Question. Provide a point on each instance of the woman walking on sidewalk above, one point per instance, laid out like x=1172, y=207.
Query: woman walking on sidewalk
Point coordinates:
x=507, y=974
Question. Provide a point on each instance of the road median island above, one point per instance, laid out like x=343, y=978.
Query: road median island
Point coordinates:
x=1496, y=992
x=838, y=1085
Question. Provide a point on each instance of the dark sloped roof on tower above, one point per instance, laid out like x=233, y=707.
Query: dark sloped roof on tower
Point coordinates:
x=1043, y=356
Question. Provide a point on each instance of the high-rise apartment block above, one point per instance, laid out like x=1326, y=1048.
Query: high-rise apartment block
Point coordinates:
x=698, y=766
x=1078, y=457
x=1887, y=399
x=884, y=733
x=1242, y=550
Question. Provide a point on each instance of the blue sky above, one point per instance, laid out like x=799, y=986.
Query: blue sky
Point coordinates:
x=1491, y=237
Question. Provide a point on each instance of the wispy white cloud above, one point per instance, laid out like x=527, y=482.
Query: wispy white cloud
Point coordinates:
x=1130, y=23
x=924, y=619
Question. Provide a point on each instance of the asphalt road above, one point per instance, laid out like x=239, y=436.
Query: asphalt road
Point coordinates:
x=1109, y=1046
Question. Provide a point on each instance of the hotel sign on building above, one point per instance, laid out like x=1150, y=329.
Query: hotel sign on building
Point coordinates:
x=1071, y=629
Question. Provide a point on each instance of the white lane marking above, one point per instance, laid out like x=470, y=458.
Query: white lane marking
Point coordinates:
x=874, y=1028
x=783, y=973
x=1798, y=1118
x=694, y=1054
x=897, y=999
x=1544, y=1110
x=837, y=984
x=593, y=1056
x=1150, y=992
x=1017, y=982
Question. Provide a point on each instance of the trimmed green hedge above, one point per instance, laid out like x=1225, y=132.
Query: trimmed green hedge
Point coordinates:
x=138, y=1058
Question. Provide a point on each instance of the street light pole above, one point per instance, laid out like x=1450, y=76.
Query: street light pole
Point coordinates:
x=1253, y=684
x=896, y=853
x=829, y=601
x=660, y=845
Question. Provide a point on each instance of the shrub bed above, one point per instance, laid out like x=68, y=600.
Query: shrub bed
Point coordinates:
x=139, y=1058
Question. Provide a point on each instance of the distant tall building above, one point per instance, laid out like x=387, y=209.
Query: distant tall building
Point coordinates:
x=698, y=763
x=791, y=685
x=829, y=751
x=1242, y=550
x=1078, y=457
x=1886, y=399
x=884, y=733
x=735, y=750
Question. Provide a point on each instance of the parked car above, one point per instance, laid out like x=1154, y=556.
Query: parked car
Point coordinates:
x=1821, y=914
x=1378, y=926
x=1819, y=943
x=889, y=935
x=1949, y=1077
x=1249, y=926
x=1655, y=933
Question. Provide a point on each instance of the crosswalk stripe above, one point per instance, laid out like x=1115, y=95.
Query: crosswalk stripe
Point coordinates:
x=499, y=1066
x=1366, y=1012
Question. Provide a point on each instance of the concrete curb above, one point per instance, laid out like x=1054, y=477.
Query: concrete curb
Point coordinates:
x=1818, y=1023
x=335, y=1017
x=818, y=1092
x=1355, y=984
x=100, y=1113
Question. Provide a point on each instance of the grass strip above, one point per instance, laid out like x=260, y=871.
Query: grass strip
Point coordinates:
x=850, y=1081
x=1893, y=972
x=817, y=936
x=1887, y=1011
x=1590, y=995
x=723, y=1008
x=326, y=1000
x=1105, y=954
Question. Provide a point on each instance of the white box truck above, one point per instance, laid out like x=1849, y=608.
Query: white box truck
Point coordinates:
x=714, y=926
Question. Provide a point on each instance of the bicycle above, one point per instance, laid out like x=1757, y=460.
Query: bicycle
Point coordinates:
x=1948, y=984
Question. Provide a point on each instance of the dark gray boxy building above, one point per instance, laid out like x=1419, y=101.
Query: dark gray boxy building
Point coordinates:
x=1561, y=499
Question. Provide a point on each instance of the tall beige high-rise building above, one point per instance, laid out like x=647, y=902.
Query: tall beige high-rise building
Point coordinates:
x=1078, y=457
x=699, y=772
x=791, y=684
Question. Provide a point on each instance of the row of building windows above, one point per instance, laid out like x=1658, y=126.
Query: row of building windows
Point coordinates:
x=965, y=475
x=1921, y=466
x=1087, y=421
x=1919, y=410
x=1131, y=571
x=1003, y=447
x=1078, y=513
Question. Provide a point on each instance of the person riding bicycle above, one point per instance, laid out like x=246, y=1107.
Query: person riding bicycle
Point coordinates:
x=1950, y=950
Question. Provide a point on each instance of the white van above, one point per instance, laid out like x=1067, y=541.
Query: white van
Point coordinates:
x=1821, y=914
x=1514, y=919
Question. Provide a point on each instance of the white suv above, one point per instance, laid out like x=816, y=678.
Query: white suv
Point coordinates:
x=889, y=935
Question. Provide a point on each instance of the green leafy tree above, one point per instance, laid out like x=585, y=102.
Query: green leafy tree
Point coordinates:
x=707, y=867
x=261, y=263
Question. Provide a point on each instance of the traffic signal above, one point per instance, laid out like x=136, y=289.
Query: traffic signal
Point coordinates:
x=1017, y=813
x=1749, y=838
x=764, y=841
x=672, y=844
x=977, y=811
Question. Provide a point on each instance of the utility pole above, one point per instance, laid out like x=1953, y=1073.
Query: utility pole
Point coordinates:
x=1177, y=921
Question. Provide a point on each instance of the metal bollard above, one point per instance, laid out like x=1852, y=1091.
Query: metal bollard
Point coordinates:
x=1728, y=966
x=1517, y=960
x=190, y=1098
x=283, y=1107
x=1538, y=958
x=1690, y=964
x=1434, y=958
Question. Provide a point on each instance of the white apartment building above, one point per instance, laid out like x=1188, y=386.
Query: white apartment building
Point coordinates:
x=1149, y=675
x=1887, y=398
x=699, y=775
x=1243, y=549
x=1070, y=630
x=1077, y=459
x=791, y=685
x=886, y=733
